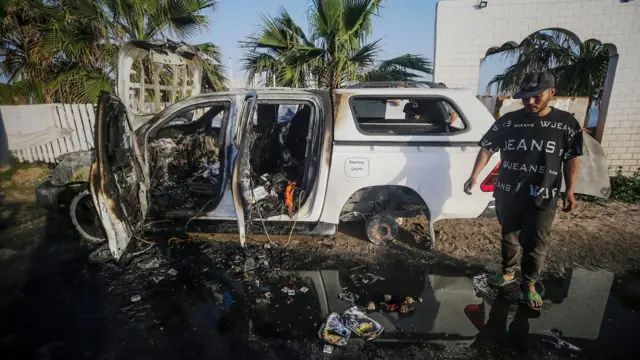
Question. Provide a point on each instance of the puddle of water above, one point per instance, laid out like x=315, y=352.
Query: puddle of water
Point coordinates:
x=586, y=313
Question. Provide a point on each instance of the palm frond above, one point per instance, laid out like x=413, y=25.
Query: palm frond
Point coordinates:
x=579, y=68
x=214, y=78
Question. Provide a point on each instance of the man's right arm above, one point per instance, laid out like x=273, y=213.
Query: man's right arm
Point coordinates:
x=489, y=145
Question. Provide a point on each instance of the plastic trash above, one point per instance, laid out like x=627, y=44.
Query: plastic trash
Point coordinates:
x=334, y=332
x=348, y=297
x=361, y=325
x=136, y=298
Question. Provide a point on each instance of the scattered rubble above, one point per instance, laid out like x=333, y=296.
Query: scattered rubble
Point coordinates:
x=348, y=297
x=151, y=264
x=366, y=278
x=328, y=242
x=184, y=167
x=274, y=195
x=403, y=305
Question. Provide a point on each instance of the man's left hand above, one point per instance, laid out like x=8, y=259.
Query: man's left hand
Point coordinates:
x=568, y=201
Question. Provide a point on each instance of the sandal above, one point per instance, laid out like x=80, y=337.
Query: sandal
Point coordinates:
x=530, y=296
x=498, y=280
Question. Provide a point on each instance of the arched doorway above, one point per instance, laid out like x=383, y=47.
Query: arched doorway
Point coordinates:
x=582, y=69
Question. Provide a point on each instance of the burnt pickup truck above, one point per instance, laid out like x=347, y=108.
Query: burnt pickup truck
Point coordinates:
x=303, y=159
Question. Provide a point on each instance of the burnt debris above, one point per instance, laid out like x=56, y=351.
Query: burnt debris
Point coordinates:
x=278, y=160
x=185, y=171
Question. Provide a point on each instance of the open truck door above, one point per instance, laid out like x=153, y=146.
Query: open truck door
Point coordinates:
x=117, y=183
x=241, y=186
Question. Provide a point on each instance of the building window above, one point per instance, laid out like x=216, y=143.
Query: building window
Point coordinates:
x=406, y=116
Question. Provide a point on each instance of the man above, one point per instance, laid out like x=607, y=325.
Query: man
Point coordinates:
x=536, y=144
x=412, y=111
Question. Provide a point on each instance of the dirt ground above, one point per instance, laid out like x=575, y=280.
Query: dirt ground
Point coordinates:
x=17, y=185
x=596, y=235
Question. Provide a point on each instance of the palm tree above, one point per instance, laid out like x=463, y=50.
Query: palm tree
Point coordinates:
x=82, y=39
x=22, y=60
x=99, y=27
x=580, y=68
x=335, y=53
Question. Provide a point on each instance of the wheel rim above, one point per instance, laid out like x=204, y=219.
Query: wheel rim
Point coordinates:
x=381, y=229
x=85, y=218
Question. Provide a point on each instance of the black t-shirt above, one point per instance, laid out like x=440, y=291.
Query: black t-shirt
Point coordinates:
x=532, y=149
x=411, y=109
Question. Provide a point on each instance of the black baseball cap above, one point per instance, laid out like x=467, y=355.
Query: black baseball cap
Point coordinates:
x=534, y=84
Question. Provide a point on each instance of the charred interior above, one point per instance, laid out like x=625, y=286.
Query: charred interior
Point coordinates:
x=184, y=161
x=280, y=154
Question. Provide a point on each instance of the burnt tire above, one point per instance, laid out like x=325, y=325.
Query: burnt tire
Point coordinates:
x=85, y=218
x=381, y=229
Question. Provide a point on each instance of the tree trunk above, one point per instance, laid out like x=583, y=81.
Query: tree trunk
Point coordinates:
x=585, y=123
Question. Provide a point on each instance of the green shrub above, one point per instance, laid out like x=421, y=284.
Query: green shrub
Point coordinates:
x=626, y=188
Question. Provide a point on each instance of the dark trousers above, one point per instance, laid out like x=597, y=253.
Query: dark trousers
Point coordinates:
x=524, y=225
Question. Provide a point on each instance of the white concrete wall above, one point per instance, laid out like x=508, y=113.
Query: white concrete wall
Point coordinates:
x=464, y=33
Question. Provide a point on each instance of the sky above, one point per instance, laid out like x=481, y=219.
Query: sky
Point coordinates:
x=405, y=26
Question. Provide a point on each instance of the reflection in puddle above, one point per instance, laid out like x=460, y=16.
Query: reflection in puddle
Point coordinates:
x=578, y=308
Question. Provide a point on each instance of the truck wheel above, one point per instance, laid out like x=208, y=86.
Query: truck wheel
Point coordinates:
x=381, y=229
x=85, y=218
